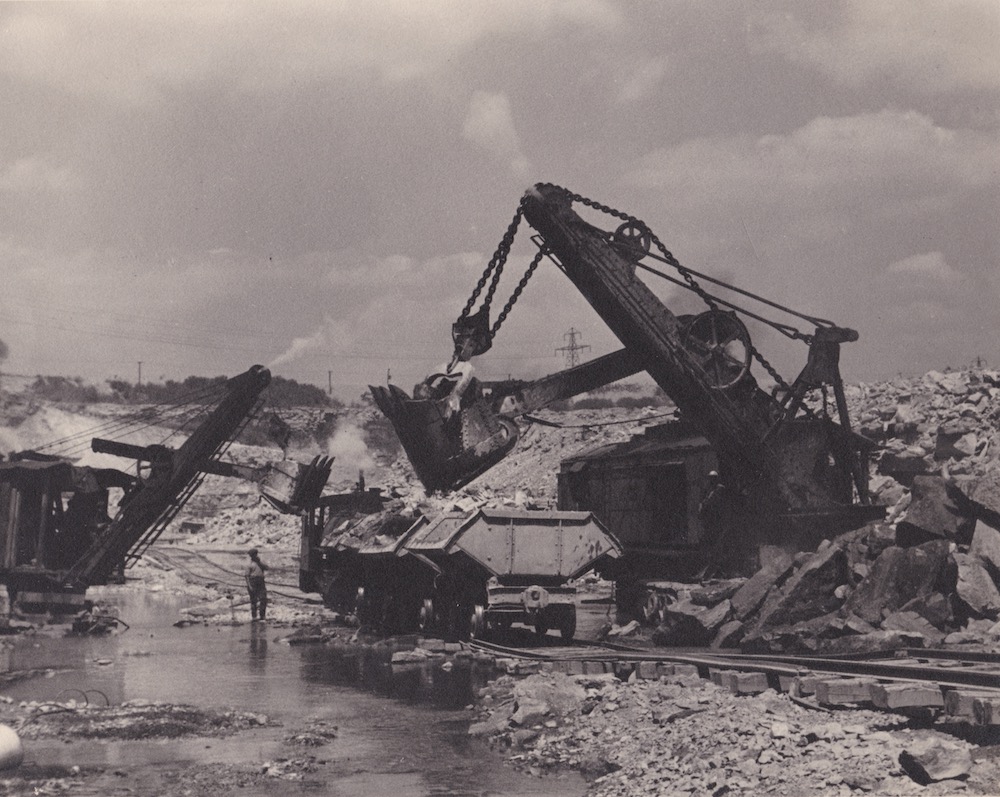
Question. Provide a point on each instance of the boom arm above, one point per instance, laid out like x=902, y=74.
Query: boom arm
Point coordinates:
x=780, y=455
x=173, y=476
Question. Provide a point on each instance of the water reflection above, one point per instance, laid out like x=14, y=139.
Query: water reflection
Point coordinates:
x=447, y=683
x=258, y=648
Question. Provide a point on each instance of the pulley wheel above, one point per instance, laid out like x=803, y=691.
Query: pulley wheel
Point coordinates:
x=633, y=239
x=720, y=344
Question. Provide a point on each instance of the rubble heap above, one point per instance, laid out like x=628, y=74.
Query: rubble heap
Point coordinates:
x=928, y=575
x=681, y=735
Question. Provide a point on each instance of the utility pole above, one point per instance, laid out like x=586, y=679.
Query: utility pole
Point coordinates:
x=329, y=383
x=571, y=350
x=139, y=382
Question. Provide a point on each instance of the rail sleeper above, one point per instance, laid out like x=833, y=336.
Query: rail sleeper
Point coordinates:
x=843, y=691
x=894, y=696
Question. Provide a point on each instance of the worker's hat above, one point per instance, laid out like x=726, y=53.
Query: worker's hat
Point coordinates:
x=254, y=552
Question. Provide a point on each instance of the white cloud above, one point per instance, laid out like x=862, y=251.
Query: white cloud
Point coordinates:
x=139, y=52
x=829, y=162
x=643, y=80
x=36, y=174
x=490, y=125
x=929, y=264
x=925, y=45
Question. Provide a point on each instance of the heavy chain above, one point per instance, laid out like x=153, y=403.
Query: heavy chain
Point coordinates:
x=771, y=370
x=667, y=255
x=517, y=292
x=495, y=266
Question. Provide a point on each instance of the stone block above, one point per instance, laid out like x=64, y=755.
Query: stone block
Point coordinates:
x=685, y=671
x=843, y=691
x=960, y=703
x=986, y=710
x=894, y=696
x=748, y=683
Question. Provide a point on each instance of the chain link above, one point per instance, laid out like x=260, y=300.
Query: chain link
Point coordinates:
x=496, y=263
x=667, y=255
x=499, y=258
x=517, y=293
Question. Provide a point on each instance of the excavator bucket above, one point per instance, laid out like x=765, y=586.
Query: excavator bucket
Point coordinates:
x=292, y=486
x=446, y=450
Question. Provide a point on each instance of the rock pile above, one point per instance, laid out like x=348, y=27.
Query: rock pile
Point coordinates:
x=939, y=423
x=928, y=575
x=680, y=735
x=927, y=578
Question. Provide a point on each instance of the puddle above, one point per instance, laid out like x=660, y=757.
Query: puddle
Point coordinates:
x=401, y=731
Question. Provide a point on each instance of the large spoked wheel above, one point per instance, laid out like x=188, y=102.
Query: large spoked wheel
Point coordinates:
x=633, y=239
x=720, y=343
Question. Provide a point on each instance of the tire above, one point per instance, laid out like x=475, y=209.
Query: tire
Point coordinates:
x=567, y=624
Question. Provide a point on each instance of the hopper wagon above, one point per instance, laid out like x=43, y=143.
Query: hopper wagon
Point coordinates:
x=493, y=568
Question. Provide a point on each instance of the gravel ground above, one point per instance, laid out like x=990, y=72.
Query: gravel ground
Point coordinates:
x=685, y=736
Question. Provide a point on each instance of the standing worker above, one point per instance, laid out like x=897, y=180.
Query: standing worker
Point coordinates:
x=256, y=586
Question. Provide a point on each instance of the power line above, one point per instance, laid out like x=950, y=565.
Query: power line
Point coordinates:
x=571, y=350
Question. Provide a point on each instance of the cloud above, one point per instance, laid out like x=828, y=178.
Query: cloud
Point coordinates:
x=930, y=264
x=490, y=125
x=924, y=45
x=26, y=175
x=643, y=80
x=896, y=156
x=140, y=53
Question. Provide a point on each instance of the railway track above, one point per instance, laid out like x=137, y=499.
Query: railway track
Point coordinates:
x=962, y=685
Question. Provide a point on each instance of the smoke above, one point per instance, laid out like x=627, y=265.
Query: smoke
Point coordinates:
x=349, y=449
x=324, y=335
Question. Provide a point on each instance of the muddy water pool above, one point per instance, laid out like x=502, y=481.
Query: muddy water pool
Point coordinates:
x=400, y=734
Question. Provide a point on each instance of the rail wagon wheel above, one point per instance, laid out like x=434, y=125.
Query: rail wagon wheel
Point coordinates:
x=361, y=606
x=720, y=344
x=634, y=240
x=425, y=620
x=652, y=611
x=477, y=622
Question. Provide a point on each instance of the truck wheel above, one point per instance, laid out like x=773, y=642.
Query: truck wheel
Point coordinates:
x=567, y=624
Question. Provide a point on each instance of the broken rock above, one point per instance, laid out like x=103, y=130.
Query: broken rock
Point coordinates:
x=931, y=760
x=934, y=513
x=901, y=574
x=976, y=588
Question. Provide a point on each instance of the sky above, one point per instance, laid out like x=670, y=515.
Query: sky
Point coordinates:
x=317, y=186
